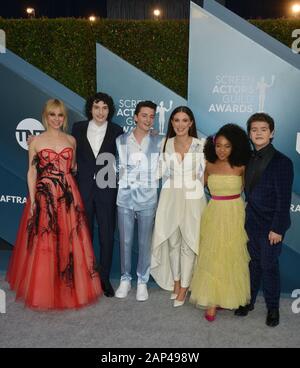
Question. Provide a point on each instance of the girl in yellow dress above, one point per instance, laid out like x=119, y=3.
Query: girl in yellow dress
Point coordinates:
x=221, y=275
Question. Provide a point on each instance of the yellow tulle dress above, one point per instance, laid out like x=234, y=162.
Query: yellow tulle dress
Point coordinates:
x=221, y=275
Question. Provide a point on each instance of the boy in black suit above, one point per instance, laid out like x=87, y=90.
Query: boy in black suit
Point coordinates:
x=95, y=154
x=268, y=189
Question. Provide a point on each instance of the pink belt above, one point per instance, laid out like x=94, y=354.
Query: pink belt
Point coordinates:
x=225, y=198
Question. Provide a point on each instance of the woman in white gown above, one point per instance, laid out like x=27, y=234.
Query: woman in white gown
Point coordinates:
x=182, y=200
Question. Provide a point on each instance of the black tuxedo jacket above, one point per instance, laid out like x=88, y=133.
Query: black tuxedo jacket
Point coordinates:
x=87, y=167
x=269, y=201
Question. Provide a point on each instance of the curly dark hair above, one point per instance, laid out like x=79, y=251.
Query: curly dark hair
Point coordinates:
x=171, y=133
x=241, y=148
x=100, y=96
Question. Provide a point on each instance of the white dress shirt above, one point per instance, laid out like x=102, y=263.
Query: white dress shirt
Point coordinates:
x=95, y=136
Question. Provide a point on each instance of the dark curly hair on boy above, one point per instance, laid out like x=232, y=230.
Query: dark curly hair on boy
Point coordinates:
x=100, y=96
x=241, y=148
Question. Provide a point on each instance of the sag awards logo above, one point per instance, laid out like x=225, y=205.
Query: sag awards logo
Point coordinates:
x=2, y=42
x=161, y=111
x=126, y=110
x=240, y=93
x=2, y=301
x=26, y=128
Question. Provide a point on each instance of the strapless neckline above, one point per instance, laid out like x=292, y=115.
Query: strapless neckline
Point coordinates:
x=57, y=153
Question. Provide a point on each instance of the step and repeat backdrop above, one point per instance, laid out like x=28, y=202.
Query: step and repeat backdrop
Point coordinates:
x=235, y=70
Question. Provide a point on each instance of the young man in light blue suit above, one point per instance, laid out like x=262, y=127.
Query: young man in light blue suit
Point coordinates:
x=138, y=154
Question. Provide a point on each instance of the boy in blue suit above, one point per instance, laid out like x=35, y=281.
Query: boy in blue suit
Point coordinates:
x=138, y=154
x=268, y=187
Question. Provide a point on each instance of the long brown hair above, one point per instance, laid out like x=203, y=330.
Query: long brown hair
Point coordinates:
x=171, y=133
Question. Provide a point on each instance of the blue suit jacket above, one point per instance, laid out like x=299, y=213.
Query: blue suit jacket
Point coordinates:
x=269, y=201
x=138, y=183
x=87, y=167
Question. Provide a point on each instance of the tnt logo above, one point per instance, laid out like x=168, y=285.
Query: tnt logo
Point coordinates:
x=296, y=303
x=26, y=128
x=2, y=301
x=2, y=42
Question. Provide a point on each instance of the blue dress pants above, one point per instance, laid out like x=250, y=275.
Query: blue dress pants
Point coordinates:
x=145, y=223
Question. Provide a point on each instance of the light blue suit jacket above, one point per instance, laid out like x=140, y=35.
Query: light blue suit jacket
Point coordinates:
x=138, y=180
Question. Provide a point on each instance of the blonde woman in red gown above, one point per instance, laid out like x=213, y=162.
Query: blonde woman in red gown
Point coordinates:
x=53, y=264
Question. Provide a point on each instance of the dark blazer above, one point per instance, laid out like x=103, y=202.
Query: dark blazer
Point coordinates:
x=87, y=168
x=269, y=201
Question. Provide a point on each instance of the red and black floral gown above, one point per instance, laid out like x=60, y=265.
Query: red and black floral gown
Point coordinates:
x=53, y=264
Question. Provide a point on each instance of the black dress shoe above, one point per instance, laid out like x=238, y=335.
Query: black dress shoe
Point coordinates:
x=243, y=311
x=272, y=318
x=107, y=288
